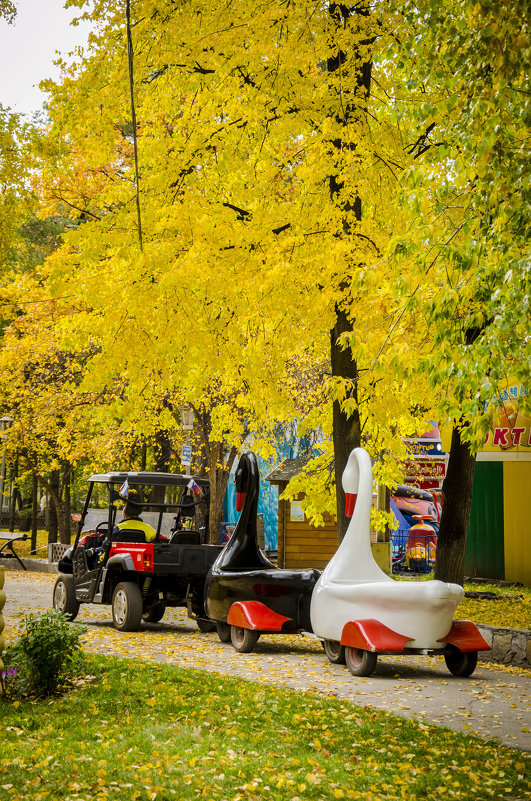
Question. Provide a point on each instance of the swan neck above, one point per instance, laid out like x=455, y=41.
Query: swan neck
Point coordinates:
x=242, y=549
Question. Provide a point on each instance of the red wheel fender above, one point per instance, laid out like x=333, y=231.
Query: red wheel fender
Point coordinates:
x=466, y=636
x=255, y=615
x=371, y=635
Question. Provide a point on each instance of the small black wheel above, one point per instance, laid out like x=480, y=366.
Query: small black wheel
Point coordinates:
x=205, y=626
x=64, y=597
x=223, y=630
x=459, y=663
x=155, y=612
x=243, y=640
x=334, y=651
x=127, y=606
x=359, y=662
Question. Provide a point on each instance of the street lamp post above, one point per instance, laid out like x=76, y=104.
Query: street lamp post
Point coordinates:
x=5, y=423
x=187, y=417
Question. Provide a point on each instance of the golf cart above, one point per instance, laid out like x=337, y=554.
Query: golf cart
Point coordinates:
x=111, y=562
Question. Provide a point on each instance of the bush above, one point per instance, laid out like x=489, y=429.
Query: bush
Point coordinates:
x=46, y=655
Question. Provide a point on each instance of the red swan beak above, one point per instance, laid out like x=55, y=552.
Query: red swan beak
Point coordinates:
x=240, y=500
x=350, y=503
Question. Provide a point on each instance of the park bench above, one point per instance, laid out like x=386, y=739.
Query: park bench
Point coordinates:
x=8, y=538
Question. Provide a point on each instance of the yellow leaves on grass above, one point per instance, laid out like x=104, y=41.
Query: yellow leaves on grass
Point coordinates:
x=511, y=612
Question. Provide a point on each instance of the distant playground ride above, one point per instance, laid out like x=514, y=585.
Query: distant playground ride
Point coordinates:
x=414, y=543
x=417, y=505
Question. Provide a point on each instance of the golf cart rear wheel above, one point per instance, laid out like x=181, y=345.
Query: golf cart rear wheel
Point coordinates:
x=243, y=640
x=64, y=597
x=223, y=630
x=359, y=662
x=127, y=606
x=155, y=612
x=334, y=651
x=459, y=663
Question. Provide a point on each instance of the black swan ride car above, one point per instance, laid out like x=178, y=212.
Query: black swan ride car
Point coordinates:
x=245, y=593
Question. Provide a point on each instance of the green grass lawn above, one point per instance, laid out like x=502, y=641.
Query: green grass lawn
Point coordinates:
x=155, y=732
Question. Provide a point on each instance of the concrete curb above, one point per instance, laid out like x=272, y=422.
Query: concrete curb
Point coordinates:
x=509, y=646
x=34, y=565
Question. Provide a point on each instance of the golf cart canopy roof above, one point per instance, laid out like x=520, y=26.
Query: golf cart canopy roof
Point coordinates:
x=149, y=479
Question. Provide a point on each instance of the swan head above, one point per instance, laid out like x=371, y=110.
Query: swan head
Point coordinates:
x=358, y=462
x=247, y=468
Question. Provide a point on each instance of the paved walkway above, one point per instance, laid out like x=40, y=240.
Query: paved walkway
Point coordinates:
x=492, y=703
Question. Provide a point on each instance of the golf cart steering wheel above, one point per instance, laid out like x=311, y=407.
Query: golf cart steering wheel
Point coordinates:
x=102, y=529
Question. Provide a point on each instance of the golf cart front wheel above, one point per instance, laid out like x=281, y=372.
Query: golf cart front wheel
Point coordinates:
x=359, y=662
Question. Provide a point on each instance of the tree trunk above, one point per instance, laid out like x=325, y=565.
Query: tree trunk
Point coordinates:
x=143, y=456
x=65, y=529
x=13, y=496
x=216, y=463
x=219, y=477
x=216, y=495
x=457, y=500
x=55, y=518
x=162, y=454
x=346, y=429
x=54, y=512
x=34, y=512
